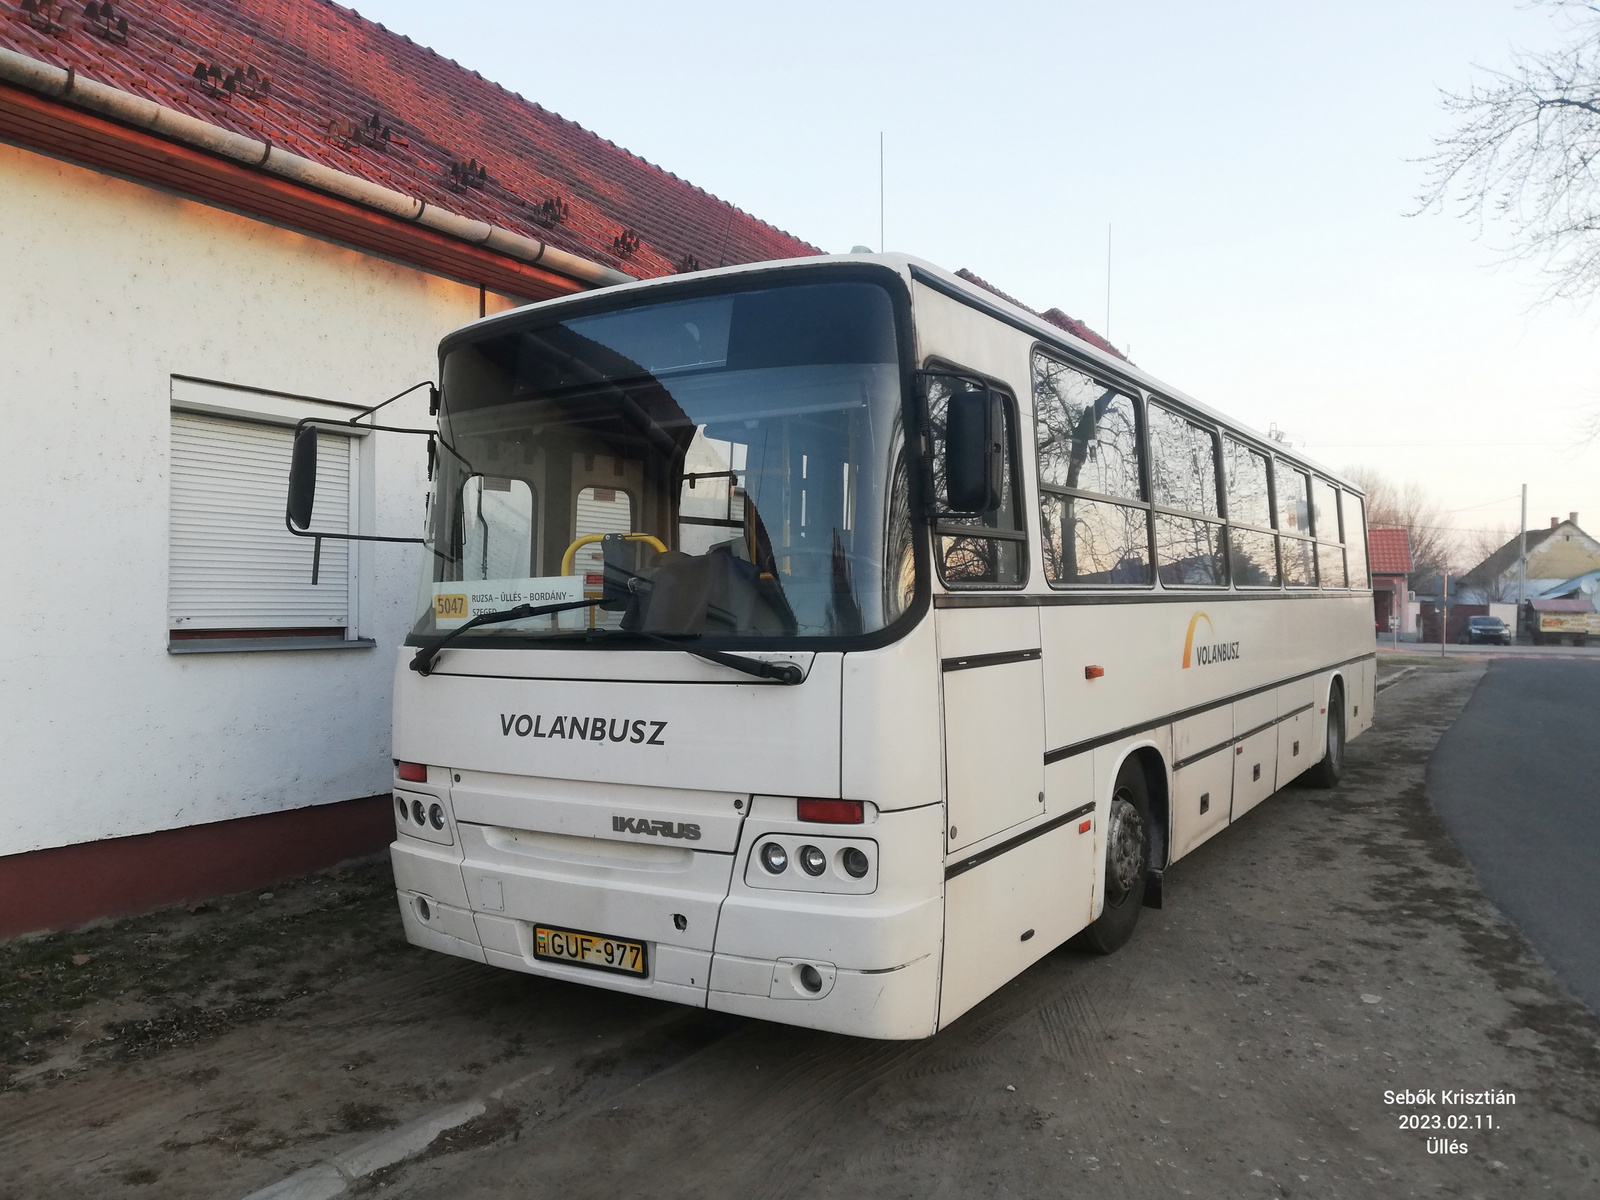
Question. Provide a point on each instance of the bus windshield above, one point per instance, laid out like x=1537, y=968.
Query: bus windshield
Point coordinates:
x=745, y=448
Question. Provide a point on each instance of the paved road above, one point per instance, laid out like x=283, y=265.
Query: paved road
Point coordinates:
x=1517, y=783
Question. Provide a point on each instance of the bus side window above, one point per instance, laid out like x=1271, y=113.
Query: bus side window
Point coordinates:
x=1252, y=548
x=989, y=549
x=1354, y=523
x=1325, y=515
x=1091, y=501
x=1294, y=526
x=1183, y=476
x=599, y=510
x=497, y=524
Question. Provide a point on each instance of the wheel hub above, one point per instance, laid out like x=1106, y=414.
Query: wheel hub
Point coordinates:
x=1125, y=840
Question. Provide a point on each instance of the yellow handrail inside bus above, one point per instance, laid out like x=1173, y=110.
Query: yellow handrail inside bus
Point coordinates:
x=590, y=538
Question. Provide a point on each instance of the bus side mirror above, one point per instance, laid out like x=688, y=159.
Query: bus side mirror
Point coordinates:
x=973, y=450
x=617, y=575
x=303, y=476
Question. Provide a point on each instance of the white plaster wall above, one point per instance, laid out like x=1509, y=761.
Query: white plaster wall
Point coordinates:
x=107, y=289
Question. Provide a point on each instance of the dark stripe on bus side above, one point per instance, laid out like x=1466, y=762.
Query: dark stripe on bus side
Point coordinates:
x=1059, y=599
x=1117, y=735
x=1210, y=750
x=968, y=661
x=977, y=860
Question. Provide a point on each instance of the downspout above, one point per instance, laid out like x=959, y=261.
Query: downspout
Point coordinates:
x=64, y=83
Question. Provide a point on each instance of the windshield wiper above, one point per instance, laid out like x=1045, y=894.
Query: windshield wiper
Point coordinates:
x=785, y=673
x=422, y=662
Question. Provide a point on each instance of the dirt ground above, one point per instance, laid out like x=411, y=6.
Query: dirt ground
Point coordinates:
x=1331, y=946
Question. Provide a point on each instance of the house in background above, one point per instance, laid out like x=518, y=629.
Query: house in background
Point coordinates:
x=222, y=216
x=1389, y=551
x=1556, y=554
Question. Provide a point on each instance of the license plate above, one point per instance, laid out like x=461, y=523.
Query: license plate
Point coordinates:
x=590, y=950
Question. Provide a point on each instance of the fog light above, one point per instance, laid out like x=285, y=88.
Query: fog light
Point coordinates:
x=423, y=910
x=812, y=860
x=436, y=816
x=810, y=978
x=774, y=858
x=855, y=863
x=417, y=814
x=401, y=805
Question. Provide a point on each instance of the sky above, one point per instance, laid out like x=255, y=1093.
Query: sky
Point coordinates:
x=1252, y=163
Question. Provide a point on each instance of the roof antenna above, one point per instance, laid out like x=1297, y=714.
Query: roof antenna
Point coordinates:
x=880, y=192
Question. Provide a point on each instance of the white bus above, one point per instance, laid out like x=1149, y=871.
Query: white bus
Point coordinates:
x=827, y=641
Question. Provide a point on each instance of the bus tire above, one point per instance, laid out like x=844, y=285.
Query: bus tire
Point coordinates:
x=1127, y=863
x=1326, y=773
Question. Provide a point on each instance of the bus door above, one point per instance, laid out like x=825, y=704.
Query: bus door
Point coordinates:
x=993, y=681
x=1002, y=909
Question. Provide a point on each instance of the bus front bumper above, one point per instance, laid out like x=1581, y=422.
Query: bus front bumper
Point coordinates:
x=712, y=941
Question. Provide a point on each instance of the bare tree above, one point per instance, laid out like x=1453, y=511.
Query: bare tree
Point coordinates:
x=1406, y=506
x=1478, y=545
x=1526, y=150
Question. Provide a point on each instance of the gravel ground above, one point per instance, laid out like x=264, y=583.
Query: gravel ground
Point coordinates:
x=1331, y=947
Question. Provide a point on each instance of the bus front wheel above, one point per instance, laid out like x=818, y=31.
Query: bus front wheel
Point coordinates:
x=1326, y=773
x=1127, y=862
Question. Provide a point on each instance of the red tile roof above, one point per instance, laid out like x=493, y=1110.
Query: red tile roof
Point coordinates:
x=330, y=72
x=1053, y=315
x=1389, y=551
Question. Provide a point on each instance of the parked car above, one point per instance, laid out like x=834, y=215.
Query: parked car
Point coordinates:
x=1486, y=629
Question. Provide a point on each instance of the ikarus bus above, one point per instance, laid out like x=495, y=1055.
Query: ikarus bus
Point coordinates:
x=827, y=641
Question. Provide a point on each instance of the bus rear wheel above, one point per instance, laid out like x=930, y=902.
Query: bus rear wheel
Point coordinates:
x=1327, y=772
x=1127, y=863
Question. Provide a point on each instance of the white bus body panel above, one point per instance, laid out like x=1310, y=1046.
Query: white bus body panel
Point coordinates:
x=699, y=731
x=535, y=837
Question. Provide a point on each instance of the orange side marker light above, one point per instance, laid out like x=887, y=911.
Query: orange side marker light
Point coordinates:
x=1093, y=672
x=1085, y=826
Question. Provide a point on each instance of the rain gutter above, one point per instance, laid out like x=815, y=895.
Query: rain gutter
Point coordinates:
x=65, y=84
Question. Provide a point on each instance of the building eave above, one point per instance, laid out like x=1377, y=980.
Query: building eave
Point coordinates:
x=39, y=123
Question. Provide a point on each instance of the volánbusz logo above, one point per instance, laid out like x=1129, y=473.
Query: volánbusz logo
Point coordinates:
x=1206, y=653
x=656, y=828
x=584, y=729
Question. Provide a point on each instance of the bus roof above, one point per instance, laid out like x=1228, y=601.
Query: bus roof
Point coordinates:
x=997, y=305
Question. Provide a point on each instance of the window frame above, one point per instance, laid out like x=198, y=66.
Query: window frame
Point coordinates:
x=943, y=526
x=195, y=396
x=1136, y=397
x=1337, y=542
x=1344, y=525
x=1286, y=540
x=1218, y=483
x=1271, y=529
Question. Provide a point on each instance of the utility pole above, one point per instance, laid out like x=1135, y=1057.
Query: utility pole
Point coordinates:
x=1522, y=564
x=1444, y=613
x=1108, y=281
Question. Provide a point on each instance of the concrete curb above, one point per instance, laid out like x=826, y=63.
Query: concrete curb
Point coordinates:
x=1394, y=679
x=330, y=1178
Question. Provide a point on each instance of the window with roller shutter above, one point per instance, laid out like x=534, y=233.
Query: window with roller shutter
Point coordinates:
x=235, y=570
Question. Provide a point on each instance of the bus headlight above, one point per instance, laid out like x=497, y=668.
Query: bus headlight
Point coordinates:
x=835, y=866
